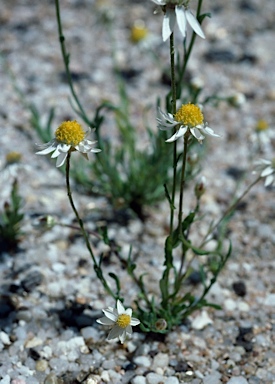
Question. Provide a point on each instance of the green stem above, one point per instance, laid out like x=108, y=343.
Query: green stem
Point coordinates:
x=83, y=231
x=174, y=110
x=65, y=57
x=182, y=181
x=229, y=210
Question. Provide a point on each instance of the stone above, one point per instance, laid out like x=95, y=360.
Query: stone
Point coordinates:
x=139, y=380
x=171, y=380
x=41, y=365
x=201, y=321
x=237, y=380
x=4, y=337
x=154, y=378
x=160, y=360
x=212, y=378
x=143, y=361
x=51, y=379
x=270, y=300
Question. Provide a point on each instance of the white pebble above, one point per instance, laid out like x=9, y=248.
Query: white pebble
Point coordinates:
x=201, y=321
x=230, y=304
x=171, y=380
x=160, y=360
x=143, y=361
x=139, y=380
x=154, y=378
x=237, y=380
x=270, y=300
x=5, y=380
x=5, y=338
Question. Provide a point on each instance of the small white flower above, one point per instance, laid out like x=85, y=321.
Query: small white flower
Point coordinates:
x=121, y=321
x=183, y=16
x=267, y=169
x=69, y=136
x=188, y=117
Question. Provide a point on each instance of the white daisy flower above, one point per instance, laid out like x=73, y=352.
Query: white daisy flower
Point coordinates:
x=267, y=169
x=189, y=117
x=69, y=137
x=121, y=321
x=176, y=10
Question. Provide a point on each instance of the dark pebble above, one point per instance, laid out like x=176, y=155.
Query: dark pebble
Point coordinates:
x=181, y=366
x=224, y=56
x=244, y=338
x=32, y=280
x=194, y=278
x=239, y=288
x=130, y=367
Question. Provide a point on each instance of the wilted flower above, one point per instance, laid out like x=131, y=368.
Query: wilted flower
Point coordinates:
x=69, y=136
x=267, y=169
x=188, y=117
x=262, y=136
x=178, y=10
x=121, y=321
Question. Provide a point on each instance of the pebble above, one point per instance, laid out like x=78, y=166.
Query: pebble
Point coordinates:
x=41, y=365
x=51, y=379
x=237, y=380
x=270, y=300
x=139, y=380
x=143, y=361
x=154, y=378
x=160, y=360
x=212, y=378
x=201, y=321
x=34, y=342
x=5, y=338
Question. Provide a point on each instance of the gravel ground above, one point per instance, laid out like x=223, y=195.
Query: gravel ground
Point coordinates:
x=49, y=296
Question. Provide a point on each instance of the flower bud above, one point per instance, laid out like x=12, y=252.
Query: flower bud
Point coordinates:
x=200, y=187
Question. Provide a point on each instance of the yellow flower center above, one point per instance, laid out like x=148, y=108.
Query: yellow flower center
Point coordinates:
x=262, y=125
x=189, y=114
x=70, y=133
x=123, y=320
x=138, y=32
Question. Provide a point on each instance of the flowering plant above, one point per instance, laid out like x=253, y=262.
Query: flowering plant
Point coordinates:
x=159, y=313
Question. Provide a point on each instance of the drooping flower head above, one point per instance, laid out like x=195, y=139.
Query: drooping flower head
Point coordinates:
x=189, y=117
x=267, y=170
x=177, y=10
x=69, y=136
x=121, y=321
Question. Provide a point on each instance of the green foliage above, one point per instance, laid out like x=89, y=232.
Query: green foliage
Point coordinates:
x=10, y=221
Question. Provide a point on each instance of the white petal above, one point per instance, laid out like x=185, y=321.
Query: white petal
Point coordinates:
x=181, y=19
x=105, y=321
x=46, y=150
x=56, y=153
x=129, y=312
x=120, y=308
x=193, y=22
x=267, y=171
x=115, y=332
x=61, y=159
x=269, y=180
x=63, y=147
x=197, y=134
x=168, y=23
x=110, y=314
x=134, y=321
x=209, y=131
x=129, y=329
x=178, y=134
x=122, y=336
